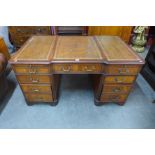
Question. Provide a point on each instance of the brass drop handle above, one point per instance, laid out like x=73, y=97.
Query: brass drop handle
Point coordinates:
x=88, y=69
x=67, y=69
x=40, y=98
x=123, y=70
x=34, y=81
x=119, y=81
x=116, y=89
x=35, y=90
x=32, y=70
x=114, y=98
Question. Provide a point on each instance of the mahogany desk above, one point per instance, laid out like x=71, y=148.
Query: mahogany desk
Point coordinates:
x=112, y=64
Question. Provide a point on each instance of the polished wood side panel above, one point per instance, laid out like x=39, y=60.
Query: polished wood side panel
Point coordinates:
x=4, y=49
x=122, y=31
x=119, y=79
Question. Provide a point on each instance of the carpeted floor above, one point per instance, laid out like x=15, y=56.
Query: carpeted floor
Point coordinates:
x=76, y=108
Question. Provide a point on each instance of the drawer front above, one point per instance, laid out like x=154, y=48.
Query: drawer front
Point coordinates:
x=90, y=68
x=113, y=97
x=119, y=79
x=34, y=79
x=32, y=69
x=77, y=68
x=122, y=69
x=116, y=88
x=39, y=97
x=65, y=68
x=32, y=88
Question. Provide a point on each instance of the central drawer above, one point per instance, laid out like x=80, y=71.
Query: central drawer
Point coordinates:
x=31, y=69
x=77, y=68
x=119, y=79
x=35, y=79
x=39, y=97
x=34, y=88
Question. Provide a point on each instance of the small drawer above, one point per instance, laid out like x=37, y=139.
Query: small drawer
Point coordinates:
x=119, y=79
x=90, y=68
x=34, y=79
x=122, y=69
x=77, y=68
x=65, y=68
x=33, y=88
x=39, y=97
x=31, y=69
x=113, y=98
x=116, y=88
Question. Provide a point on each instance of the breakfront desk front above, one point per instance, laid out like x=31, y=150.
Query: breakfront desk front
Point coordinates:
x=111, y=63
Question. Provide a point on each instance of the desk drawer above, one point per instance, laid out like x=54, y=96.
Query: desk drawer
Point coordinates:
x=39, y=97
x=31, y=69
x=34, y=88
x=65, y=68
x=35, y=79
x=116, y=88
x=77, y=68
x=109, y=97
x=122, y=69
x=88, y=68
x=119, y=79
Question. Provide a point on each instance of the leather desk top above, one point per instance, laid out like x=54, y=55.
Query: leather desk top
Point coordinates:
x=53, y=49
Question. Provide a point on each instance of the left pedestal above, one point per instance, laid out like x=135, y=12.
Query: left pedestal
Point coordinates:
x=37, y=83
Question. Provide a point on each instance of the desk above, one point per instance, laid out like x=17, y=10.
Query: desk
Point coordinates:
x=112, y=64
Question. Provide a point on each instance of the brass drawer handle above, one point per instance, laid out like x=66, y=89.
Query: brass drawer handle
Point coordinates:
x=114, y=99
x=67, y=69
x=123, y=70
x=32, y=70
x=88, y=69
x=34, y=81
x=119, y=81
x=40, y=98
x=116, y=90
x=35, y=90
